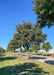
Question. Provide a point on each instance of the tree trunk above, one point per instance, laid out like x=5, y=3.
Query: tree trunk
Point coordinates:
x=46, y=53
x=17, y=53
x=27, y=54
x=14, y=51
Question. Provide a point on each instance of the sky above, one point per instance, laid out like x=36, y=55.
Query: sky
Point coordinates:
x=13, y=12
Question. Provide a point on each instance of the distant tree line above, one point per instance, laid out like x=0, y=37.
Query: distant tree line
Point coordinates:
x=2, y=50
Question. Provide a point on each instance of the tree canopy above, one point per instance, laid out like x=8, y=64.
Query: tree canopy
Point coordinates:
x=36, y=47
x=45, y=12
x=13, y=45
x=28, y=34
x=2, y=50
x=46, y=46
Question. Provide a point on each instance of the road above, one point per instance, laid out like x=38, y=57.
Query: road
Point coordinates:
x=47, y=60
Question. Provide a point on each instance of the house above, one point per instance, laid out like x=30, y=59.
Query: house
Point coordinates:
x=51, y=51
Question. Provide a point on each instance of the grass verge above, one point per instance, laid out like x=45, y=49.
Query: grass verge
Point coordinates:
x=13, y=65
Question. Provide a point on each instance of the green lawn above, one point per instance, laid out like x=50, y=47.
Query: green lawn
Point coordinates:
x=14, y=65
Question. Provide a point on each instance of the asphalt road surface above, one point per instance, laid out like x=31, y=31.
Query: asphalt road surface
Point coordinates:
x=47, y=60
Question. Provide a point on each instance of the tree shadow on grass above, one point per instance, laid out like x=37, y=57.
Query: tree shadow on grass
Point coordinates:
x=22, y=69
x=7, y=58
x=2, y=54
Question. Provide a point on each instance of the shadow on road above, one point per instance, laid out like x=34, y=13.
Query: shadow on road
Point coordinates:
x=33, y=57
x=37, y=58
x=22, y=69
x=50, y=62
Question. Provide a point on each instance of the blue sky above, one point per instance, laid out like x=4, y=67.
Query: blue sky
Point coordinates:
x=13, y=12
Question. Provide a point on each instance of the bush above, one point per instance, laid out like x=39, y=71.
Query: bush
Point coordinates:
x=47, y=54
x=39, y=54
x=44, y=54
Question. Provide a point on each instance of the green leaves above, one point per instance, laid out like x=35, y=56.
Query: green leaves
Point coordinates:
x=46, y=46
x=36, y=47
x=45, y=11
x=26, y=36
x=29, y=34
x=13, y=45
x=51, y=11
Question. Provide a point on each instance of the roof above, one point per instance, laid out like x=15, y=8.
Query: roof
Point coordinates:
x=51, y=50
